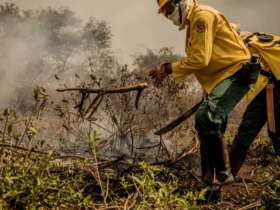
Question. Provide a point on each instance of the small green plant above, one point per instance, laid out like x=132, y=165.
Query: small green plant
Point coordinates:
x=271, y=197
x=26, y=182
x=154, y=193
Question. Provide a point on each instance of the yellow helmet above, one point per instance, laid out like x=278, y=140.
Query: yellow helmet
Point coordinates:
x=161, y=4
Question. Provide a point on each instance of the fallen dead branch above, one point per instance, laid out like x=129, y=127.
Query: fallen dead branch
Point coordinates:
x=15, y=147
x=107, y=91
x=56, y=156
x=103, y=164
x=184, y=154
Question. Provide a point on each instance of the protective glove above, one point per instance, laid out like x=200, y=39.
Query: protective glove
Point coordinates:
x=160, y=73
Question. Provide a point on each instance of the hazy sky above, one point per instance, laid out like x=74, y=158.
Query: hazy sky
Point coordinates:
x=137, y=26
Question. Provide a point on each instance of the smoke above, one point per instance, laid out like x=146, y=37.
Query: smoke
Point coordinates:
x=19, y=48
x=135, y=25
x=36, y=44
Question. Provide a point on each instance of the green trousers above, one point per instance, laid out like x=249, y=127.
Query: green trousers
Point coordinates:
x=211, y=122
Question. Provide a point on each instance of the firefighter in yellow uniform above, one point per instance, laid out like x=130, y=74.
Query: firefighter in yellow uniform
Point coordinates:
x=267, y=88
x=220, y=61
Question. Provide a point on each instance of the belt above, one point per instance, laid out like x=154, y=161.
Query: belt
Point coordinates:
x=269, y=75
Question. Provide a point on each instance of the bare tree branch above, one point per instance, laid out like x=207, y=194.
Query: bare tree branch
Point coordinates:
x=138, y=87
x=94, y=104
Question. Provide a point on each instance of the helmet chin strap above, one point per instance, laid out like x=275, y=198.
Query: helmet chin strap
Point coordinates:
x=185, y=6
x=180, y=14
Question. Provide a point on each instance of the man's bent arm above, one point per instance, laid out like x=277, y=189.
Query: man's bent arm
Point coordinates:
x=202, y=32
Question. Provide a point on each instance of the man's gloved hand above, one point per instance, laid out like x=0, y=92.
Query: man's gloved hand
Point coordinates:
x=159, y=74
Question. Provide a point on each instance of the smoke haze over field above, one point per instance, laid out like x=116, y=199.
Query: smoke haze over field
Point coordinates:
x=137, y=26
x=55, y=43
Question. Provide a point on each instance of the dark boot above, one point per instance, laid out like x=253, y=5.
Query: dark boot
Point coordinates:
x=207, y=167
x=214, y=160
x=223, y=170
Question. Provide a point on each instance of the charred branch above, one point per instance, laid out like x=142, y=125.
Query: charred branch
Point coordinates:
x=138, y=87
x=100, y=93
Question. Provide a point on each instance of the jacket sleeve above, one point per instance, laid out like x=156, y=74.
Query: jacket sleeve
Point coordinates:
x=200, y=44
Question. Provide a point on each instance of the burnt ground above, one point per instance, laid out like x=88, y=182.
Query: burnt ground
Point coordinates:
x=256, y=187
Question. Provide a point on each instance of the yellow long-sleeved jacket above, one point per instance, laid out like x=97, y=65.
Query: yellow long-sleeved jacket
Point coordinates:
x=214, y=49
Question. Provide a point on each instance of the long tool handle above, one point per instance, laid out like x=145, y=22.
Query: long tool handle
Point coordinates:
x=173, y=124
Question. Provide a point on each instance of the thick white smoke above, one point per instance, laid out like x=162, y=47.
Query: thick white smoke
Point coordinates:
x=17, y=52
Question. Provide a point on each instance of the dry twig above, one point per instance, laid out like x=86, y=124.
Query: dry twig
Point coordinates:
x=246, y=187
x=97, y=100
x=56, y=156
x=138, y=87
x=251, y=206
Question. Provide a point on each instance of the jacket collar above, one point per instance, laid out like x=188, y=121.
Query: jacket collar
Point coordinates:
x=191, y=10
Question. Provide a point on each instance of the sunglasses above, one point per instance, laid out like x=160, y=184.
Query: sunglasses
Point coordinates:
x=168, y=9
